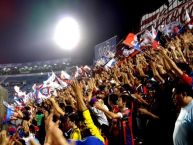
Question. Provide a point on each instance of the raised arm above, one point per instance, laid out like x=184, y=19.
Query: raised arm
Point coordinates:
x=54, y=135
x=91, y=85
x=86, y=114
x=57, y=107
x=172, y=64
x=110, y=114
x=145, y=111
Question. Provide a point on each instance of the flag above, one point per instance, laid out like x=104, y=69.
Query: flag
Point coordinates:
x=86, y=70
x=64, y=75
x=155, y=44
x=54, y=82
x=78, y=72
x=45, y=91
x=137, y=46
x=8, y=106
x=21, y=96
x=172, y=29
x=111, y=63
x=154, y=33
x=161, y=28
x=188, y=20
x=51, y=78
x=9, y=114
x=42, y=92
x=61, y=83
x=16, y=88
x=147, y=38
x=187, y=17
x=130, y=39
x=86, y=67
x=190, y=24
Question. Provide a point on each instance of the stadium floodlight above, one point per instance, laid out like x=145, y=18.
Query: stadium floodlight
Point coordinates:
x=67, y=33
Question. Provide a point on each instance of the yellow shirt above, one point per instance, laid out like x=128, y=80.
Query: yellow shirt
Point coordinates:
x=76, y=135
x=90, y=125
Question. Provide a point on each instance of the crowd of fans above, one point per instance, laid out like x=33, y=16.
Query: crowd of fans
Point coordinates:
x=34, y=67
x=135, y=102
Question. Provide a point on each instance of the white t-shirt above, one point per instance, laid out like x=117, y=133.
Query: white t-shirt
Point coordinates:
x=101, y=117
x=183, y=130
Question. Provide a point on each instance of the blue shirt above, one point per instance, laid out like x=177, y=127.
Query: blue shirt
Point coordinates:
x=183, y=131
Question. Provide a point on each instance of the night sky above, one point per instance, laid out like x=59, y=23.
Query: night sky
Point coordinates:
x=27, y=26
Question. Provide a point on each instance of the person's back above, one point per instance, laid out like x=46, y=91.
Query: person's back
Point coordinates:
x=183, y=130
x=184, y=126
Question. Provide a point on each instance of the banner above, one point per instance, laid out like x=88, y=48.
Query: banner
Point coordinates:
x=165, y=15
x=105, y=50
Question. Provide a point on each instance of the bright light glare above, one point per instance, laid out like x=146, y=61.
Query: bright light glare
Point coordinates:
x=67, y=33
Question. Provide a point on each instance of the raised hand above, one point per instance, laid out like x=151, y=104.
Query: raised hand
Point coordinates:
x=91, y=84
x=124, y=75
x=98, y=105
x=77, y=88
x=53, y=134
x=79, y=95
x=163, y=52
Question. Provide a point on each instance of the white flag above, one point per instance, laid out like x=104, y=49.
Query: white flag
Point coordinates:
x=65, y=75
x=187, y=17
x=154, y=33
x=50, y=79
